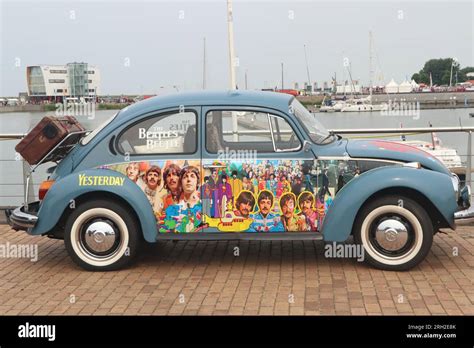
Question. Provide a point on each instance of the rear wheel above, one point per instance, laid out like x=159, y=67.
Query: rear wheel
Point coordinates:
x=102, y=235
x=395, y=231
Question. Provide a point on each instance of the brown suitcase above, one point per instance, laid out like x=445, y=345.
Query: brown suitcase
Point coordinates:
x=46, y=135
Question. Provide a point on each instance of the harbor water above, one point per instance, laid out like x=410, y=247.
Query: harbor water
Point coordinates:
x=11, y=170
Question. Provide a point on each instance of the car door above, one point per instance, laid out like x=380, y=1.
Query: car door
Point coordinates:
x=163, y=158
x=255, y=171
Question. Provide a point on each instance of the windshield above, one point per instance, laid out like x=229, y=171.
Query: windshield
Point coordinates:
x=96, y=131
x=317, y=132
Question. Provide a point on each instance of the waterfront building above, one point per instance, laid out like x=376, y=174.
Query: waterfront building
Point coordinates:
x=55, y=82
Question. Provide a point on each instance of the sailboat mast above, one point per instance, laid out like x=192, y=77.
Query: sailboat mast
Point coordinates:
x=371, y=71
x=204, y=66
x=307, y=67
x=282, y=85
x=230, y=33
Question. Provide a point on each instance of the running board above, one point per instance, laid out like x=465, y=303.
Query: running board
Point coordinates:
x=241, y=236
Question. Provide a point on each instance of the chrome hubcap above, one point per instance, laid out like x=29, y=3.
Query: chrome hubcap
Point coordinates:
x=100, y=237
x=391, y=234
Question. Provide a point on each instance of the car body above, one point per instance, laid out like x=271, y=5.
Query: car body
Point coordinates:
x=239, y=165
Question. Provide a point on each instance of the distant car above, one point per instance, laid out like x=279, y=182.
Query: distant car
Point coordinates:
x=239, y=165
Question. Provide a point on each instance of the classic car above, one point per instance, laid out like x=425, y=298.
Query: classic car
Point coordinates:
x=239, y=165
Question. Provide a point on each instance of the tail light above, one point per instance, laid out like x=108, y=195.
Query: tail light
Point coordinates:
x=44, y=187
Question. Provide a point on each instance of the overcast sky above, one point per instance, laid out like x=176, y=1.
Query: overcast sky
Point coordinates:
x=140, y=46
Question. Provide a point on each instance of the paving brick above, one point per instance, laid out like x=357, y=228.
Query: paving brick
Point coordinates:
x=260, y=281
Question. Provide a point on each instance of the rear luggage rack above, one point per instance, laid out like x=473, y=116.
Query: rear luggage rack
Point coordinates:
x=56, y=154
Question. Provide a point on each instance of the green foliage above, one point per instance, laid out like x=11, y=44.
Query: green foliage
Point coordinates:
x=440, y=70
x=462, y=74
x=114, y=106
x=49, y=107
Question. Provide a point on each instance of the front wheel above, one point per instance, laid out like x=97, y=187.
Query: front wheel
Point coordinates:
x=101, y=235
x=395, y=232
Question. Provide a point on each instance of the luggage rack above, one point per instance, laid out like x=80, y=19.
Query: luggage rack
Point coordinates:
x=56, y=154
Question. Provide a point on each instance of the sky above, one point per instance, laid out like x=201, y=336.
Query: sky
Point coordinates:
x=144, y=47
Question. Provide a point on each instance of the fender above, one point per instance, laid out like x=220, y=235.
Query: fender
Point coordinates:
x=76, y=184
x=341, y=215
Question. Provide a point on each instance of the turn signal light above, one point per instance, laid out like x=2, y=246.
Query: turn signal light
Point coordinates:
x=44, y=187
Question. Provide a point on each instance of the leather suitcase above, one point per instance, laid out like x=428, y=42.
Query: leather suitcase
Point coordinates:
x=46, y=135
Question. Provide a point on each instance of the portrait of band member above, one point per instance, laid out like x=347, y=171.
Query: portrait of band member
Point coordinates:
x=244, y=204
x=306, y=204
x=264, y=220
x=189, y=179
x=171, y=178
x=291, y=221
x=153, y=187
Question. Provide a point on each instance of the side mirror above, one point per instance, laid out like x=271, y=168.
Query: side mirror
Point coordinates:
x=306, y=146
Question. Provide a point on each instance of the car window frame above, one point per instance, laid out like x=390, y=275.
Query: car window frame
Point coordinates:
x=158, y=114
x=249, y=109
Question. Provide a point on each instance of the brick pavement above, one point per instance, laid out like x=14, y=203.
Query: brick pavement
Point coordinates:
x=287, y=278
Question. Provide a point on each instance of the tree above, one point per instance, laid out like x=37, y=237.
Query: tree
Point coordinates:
x=440, y=70
x=462, y=75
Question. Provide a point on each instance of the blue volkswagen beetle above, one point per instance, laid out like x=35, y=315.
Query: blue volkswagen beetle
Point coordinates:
x=239, y=165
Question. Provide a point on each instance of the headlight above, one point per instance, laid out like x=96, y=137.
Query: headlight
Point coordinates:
x=455, y=181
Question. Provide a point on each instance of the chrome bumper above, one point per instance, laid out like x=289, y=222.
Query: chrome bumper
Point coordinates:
x=18, y=219
x=465, y=216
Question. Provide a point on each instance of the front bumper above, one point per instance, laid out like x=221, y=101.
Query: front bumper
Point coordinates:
x=20, y=220
x=466, y=215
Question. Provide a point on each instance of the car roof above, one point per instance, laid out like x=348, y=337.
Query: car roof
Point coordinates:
x=272, y=100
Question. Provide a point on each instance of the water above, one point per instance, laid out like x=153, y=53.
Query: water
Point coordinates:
x=11, y=183
x=437, y=117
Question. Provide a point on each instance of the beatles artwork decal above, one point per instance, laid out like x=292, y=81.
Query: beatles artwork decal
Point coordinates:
x=229, y=196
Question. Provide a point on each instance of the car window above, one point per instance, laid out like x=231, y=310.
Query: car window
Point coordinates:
x=248, y=131
x=172, y=133
x=96, y=131
x=283, y=135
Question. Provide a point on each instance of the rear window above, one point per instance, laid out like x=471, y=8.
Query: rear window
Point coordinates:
x=170, y=133
x=96, y=131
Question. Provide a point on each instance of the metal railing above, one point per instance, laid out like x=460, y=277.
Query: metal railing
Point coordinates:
x=420, y=130
x=28, y=184
x=28, y=193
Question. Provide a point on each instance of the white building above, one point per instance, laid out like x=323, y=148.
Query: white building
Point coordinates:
x=348, y=89
x=70, y=80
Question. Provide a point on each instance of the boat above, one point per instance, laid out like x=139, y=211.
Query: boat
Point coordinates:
x=447, y=155
x=362, y=104
x=332, y=105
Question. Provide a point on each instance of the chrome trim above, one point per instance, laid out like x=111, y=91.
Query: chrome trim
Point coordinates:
x=415, y=165
x=456, y=182
x=100, y=236
x=19, y=218
x=465, y=216
x=391, y=235
x=349, y=158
